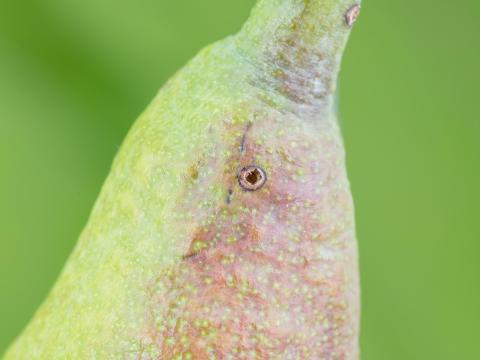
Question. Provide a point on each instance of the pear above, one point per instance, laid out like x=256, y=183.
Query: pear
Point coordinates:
x=225, y=229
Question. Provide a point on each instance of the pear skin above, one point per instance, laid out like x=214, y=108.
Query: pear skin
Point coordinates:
x=225, y=229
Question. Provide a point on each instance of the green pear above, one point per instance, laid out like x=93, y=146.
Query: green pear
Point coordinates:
x=225, y=229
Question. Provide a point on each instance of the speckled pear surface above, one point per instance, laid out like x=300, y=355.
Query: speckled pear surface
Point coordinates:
x=179, y=260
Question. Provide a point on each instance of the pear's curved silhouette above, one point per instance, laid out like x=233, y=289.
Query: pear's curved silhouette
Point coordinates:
x=225, y=229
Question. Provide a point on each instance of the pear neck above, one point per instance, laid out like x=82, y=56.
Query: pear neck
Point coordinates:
x=296, y=47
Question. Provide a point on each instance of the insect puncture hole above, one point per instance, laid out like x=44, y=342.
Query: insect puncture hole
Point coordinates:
x=252, y=178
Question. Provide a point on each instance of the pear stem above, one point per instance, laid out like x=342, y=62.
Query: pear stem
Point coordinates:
x=297, y=46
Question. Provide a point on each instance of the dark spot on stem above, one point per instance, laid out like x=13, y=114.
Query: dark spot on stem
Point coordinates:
x=352, y=14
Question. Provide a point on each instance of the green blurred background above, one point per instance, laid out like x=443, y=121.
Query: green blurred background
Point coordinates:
x=75, y=74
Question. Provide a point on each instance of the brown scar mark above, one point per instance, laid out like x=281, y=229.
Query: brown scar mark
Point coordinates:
x=352, y=15
x=244, y=137
x=194, y=249
x=286, y=156
x=189, y=256
x=228, y=200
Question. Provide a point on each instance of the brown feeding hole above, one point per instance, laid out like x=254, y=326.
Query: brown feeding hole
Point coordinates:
x=352, y=14
x=252, y=178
